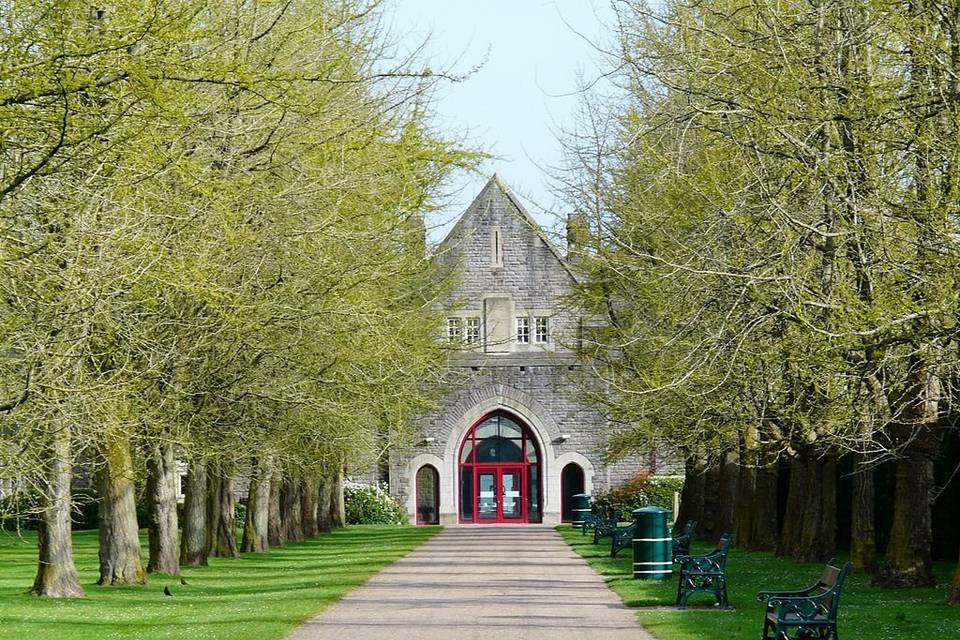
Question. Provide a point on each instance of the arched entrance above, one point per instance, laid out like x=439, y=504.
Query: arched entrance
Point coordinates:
x=499, y=472
x=428, y=495
x=571, y=483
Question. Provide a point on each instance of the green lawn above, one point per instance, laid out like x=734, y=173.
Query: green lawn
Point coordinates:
x=865, y=613
x=255, y=597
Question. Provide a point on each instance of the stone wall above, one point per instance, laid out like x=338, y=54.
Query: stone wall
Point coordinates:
x=506, y=268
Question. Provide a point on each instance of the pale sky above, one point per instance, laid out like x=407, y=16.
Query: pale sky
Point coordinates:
x=515, y=104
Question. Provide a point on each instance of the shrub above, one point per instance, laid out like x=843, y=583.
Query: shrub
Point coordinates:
x=642, y=490
x=371, y=504
x=239, y=513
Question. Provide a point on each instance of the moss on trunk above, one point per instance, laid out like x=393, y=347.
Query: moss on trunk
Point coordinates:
x=908, y=561
x=162, y=509
x=120, y=561
x=56, y=572
x=256, y=523
x=193, y=548
x=275, y=536
x=290, y=512
x=309, y=497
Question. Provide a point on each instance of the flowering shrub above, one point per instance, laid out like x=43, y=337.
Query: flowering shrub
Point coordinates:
x=642, y=490
x=371, y=504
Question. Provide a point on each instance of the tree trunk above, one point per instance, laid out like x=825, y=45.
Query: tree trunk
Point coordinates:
x=691, y=496
x=338, y=511
x=908, y=561
x=275, y=536
x=810, y=523
x=119, y=542
x=763, y=535
x=256, y=524
x=309, y=497
x=193, y=545
x=162, y=507
x=324, y=497
x=953, y=598
x=727, y=503
x=56, y=572
x=221, y=525
x=290, y=511
x=863, y=537
x=711, y=501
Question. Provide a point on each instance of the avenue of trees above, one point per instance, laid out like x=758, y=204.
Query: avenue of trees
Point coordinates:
x=769, y=207
x=211, y=252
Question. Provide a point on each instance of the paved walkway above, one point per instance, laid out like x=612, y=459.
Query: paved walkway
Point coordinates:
x=466, y=583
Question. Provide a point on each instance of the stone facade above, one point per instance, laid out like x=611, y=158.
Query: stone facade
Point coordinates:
x=508, y=270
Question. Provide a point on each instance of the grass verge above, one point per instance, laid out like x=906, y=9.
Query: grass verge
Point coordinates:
x=865, y=613
x=258, y=596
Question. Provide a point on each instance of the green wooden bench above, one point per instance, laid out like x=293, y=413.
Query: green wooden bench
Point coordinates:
x=705, y=574
x=681, y=544
x=591, y=521
x=604, y=529
x=809, y=613
x=621, y=538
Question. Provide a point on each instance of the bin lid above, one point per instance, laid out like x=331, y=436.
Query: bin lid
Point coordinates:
x=650, y=509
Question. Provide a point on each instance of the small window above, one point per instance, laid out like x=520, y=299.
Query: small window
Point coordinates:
x=523, y=330
x=454, y=329
x=473, y=331
x=496, y=248
x=542, y=330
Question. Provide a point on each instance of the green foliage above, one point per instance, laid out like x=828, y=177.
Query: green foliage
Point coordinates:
x=239, y=513
x=866, y=613
x=642, y=490
x=371, y=504
x=261, y=596
x=213, y=234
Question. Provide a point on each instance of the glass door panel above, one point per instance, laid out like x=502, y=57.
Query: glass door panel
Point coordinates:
x=487, y=495
x=512, y=491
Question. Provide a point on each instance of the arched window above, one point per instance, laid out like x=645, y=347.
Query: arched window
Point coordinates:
x=499, y=473
x=428, y=495
x=571, y=483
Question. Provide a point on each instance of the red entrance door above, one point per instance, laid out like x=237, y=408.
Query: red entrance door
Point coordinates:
x=500, y=494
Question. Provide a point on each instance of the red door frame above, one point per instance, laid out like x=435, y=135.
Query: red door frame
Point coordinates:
x=498, y=469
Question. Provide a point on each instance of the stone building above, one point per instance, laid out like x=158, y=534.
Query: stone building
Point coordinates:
x=510, y=440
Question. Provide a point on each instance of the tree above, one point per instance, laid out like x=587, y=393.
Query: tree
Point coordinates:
x=767, y=247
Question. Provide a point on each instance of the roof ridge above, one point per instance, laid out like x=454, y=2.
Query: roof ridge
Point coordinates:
x=534, y=225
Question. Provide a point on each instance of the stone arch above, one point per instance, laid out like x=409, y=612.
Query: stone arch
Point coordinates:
x=581, y=461
x=482, y=401
x=418, y=461
x=588, y=471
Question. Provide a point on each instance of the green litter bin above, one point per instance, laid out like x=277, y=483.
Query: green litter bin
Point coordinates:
x=652, y=544
x=581, y=507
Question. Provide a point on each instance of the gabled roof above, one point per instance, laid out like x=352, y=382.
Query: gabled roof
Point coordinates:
x=473, y=211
